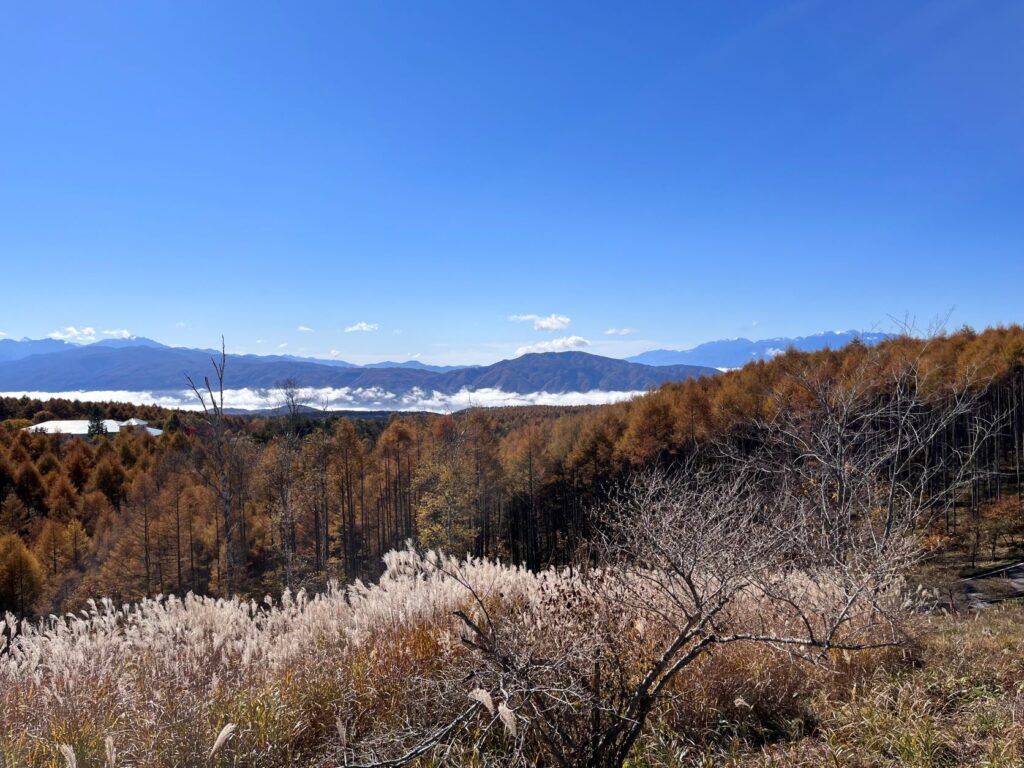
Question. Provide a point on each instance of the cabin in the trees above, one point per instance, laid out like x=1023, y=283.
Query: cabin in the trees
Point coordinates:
x=80, y=427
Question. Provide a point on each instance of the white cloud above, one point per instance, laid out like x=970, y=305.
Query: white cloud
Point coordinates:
x=619, y=331
x=87, y=333
x=563, y=344
x=2, y=333
x=346, y=398
x=73, y=333
x=335, y=353
x=283, y=345
x=361, y=326
x=180, y=324
x=305, y=329
x=543, y=322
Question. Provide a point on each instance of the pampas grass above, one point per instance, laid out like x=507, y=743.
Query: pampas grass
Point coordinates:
x=479, y=694
x=109, y=752
x=315, y=680
x=222, y=738
x=508, y=719
x=70, y=761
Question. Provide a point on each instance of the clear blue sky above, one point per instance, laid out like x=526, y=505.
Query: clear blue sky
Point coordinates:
x=686, y=171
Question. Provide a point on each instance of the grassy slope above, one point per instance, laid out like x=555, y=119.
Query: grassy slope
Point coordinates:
x=955, y=697
x=960, y=703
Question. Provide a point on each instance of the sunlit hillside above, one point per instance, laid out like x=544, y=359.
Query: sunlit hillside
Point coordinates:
x=724, y=569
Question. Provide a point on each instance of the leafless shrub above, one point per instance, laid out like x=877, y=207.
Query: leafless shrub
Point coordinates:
x=797, y=539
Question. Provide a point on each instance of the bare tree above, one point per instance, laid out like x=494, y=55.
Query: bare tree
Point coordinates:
x=797, y=537
x=314, y=467
x=292, y=400
x=282, y=474
x=213, y=460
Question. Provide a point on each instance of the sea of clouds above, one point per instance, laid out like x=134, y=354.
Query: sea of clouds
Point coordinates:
x=344, y=398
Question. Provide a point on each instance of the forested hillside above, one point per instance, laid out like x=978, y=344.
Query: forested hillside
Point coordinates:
x=737, y=569
x=254, y=505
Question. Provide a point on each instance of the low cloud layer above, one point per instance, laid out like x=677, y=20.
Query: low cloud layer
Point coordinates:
x=564, y=344
x=619, y=332
x=345, y=398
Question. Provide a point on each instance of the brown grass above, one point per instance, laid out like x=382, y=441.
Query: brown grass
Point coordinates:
x=164, y=684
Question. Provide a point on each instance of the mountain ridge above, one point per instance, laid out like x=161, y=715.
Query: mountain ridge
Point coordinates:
x=734, y=353
x=140, y=364
x=164, y=369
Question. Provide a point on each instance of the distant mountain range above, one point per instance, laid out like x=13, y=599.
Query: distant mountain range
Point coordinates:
x=138, y=365
x=417, y=365
x=16, y=350
x=133, y=367
x=11, y=349
x=735, y=353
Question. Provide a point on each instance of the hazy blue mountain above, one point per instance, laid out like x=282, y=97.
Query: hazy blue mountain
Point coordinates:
x=140, y=364
x=131, y=341
x=568, y=372
x=734, y=353
x=296, y=359
x=15, y=350
x=163, y=369
x=10, y=349
x=416, y=364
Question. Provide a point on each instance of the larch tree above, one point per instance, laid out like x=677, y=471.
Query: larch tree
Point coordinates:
x=110, y=479
x=349, y=488
x=21, y=576
x=14, y=515
x=77, y=542
x=277, y=489
x=6, y=476
x=28, y=484
x=62, y=498
x=446, y=492
x=51, y=546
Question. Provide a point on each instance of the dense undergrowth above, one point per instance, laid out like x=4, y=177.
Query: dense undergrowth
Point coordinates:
x=957, y=699
x=321, y=681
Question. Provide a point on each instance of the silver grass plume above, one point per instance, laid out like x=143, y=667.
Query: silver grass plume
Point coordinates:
x=70, y=761
x=222, y=737
x=508, y=717
x=482, y=696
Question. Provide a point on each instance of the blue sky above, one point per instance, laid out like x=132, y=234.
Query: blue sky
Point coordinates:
x=683, y=171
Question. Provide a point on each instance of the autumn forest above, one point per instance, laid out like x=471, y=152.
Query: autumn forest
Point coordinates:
x=257, y=505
